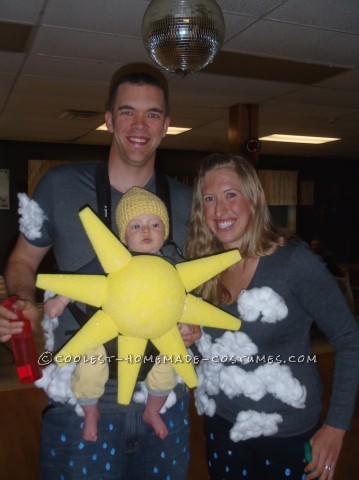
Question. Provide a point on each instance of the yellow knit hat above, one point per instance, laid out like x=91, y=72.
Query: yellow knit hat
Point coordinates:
x=138, y=201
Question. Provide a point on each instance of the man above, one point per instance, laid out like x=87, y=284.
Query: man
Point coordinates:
x=127, y=448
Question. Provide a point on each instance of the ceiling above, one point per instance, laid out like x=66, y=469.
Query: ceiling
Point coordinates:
x=298, y=60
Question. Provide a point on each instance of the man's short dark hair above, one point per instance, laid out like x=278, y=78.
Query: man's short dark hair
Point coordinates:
x=138, y=74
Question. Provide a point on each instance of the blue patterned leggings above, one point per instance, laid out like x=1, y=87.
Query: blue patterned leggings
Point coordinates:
x=263, y=458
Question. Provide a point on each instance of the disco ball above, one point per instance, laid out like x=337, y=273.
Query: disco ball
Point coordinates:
x=183, y=36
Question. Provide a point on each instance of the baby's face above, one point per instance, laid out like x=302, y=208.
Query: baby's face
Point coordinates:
x=145, y=234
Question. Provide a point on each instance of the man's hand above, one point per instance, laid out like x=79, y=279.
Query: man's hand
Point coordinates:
x=8, y=326
x=20, y=279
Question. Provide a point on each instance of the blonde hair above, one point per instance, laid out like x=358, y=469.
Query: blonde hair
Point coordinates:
x=261, y=236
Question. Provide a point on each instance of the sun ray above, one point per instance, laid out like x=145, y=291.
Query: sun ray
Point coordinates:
x=91, y=289
x=110, y=252
x=130, y=355
x=97, y=331
x=172, y=347
x=195, y=272
x=197, y=311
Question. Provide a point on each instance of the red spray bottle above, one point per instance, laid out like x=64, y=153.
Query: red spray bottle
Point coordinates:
x=23, y=346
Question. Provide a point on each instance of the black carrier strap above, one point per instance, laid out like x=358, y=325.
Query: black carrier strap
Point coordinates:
x=163, y=192
x=80, y=316
x=103, y=192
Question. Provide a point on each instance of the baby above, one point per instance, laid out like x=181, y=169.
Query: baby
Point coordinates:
x=143, y=225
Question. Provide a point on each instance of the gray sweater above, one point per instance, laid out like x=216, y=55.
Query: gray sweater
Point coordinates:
x=310, y=294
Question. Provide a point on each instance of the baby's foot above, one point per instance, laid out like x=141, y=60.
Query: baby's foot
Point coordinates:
x=90, y=426
x=154, y=419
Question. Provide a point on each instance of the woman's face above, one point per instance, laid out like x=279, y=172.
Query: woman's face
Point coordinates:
x=226, y=210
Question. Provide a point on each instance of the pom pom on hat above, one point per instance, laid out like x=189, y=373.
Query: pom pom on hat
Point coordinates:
x=138, y=201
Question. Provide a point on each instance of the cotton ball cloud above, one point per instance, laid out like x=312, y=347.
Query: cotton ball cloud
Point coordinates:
x=56, y=382
x=280, y=383
x=235, y=381
x=252, y=424
x=31, y=217
x=261, y=303
x=234, y=345
x=215, y=376
x=231, y=344
x=210, y=376
x=204, y=404
x=204, y=344
x=230, y=347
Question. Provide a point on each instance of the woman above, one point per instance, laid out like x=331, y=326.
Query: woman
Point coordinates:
x=259, y=387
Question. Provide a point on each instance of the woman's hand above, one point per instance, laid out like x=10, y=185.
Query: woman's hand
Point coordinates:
x=326, y=446
x=190, y=333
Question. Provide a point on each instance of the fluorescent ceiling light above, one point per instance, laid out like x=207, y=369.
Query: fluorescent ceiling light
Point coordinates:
x=297, y=139
x=177, y=130
x=170, y=131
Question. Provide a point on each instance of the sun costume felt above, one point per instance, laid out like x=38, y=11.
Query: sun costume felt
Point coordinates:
x=129, y=312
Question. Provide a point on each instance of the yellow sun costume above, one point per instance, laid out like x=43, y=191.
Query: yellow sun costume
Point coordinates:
x=134, y=292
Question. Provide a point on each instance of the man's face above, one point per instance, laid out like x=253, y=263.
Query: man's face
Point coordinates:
x=138, y=123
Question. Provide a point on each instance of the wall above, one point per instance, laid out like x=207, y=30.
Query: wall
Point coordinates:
x=15, y=155
x=334, y=215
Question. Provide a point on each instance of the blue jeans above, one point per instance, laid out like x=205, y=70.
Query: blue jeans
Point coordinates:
x=126, y=448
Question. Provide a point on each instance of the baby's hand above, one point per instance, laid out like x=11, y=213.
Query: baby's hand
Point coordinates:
x=55, y=306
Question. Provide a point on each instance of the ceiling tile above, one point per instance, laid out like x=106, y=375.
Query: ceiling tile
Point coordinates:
x=10, y=62
x=301, y=12
x=21, y=11
x=110, y=16
x=304, y=44
x=59, y=42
